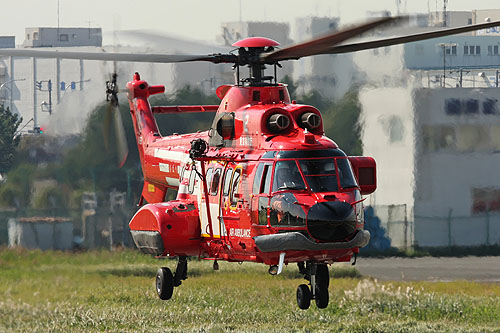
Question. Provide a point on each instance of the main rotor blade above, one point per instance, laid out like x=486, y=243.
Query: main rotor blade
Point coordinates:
x=109, y=56
x=319, y=45
x=121, y=139
x=408, y=38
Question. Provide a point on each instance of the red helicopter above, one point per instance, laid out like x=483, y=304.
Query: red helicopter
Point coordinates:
x=263, y=184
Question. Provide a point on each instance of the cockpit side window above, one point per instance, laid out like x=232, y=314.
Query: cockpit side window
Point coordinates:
x=266, y=177
x=258, y=179
x=346, y=176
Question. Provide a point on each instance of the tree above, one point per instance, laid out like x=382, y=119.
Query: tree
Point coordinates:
x=9, y=123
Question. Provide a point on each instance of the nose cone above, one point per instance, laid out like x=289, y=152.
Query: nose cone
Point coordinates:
x=331, y=221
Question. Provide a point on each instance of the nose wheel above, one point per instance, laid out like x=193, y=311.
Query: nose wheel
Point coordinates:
x=319, y=280
x=166, y=281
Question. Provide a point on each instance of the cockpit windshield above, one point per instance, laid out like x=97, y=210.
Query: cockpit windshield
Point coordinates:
x=287, y=176
x=318, y=173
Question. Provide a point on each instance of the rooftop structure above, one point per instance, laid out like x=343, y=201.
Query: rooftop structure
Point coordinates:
x=62, y=37
x=7, y=42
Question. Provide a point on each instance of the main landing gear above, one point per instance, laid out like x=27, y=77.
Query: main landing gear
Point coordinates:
x=166, y=281
x=319, y=280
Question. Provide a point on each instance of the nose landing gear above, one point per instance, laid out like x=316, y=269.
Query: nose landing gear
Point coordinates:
x=319, y=280
x=166, y=281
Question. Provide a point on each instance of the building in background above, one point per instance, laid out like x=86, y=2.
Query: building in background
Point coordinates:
x=62, y=37
x=7, y=42
x=431, y=117
x=330, y=75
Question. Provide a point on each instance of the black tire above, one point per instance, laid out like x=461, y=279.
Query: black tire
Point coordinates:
x=322, y=297
x=303, y=297
x=164, y=283
x=322, y=276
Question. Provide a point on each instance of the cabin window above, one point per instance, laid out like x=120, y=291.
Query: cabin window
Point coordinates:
x=181, y=174
x=208, y=177
x=235, y=185
x=192, y=177
x=63, y=37
x=214, y=187
x=227, y=181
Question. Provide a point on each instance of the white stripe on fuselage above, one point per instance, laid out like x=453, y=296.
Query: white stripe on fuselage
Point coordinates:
x=170, y=155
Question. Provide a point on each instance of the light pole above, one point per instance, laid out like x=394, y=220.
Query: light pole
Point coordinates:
x=4, y=84
x=446, y=46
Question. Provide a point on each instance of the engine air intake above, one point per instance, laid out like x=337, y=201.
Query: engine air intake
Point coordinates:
x=278, y=122
x=310, y=120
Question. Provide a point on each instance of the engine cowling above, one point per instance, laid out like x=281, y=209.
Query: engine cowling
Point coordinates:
x=171, y=228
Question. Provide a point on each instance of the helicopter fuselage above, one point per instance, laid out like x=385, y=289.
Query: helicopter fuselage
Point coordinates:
x=268, y=183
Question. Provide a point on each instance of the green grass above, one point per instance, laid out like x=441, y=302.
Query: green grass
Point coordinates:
x=114, y=291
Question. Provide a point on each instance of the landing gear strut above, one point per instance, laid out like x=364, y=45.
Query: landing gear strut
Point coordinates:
x=166, y=281
x=319, y=280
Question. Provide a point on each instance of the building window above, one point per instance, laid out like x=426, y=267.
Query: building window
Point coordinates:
x=28, y=36
x=453, y=106
x=419, y=49
x=471, y=106
x=469, y=21
x=490, y=106
x=451, y=50
x=35, y=36
x=63, y=37
x=495, y=49
x=472, y=50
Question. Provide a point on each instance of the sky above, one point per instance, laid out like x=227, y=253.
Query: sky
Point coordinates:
x=198, y=19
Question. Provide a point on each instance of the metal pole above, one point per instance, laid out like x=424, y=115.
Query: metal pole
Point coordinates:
x=58, y=80
x=496, y=79
x=449, y=227
x=50, y=96
x=81, y=74
x=461, y=77
x=487, y=227
x=12, y=82
x=444, y=66
x=406, y=229
x=35, y=119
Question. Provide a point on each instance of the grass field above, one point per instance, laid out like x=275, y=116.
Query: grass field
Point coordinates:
x=113, y=291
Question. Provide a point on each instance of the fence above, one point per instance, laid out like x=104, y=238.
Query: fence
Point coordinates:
x=100, y=229
x=405, y=230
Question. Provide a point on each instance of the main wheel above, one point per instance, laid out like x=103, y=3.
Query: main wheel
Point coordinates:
x=322, y=276
x=164, y=283
x=322, y=296
x=303, y=297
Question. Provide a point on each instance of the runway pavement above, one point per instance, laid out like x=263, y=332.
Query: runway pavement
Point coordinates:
x=484, y=269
